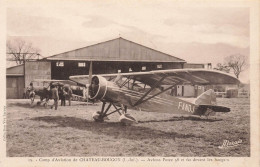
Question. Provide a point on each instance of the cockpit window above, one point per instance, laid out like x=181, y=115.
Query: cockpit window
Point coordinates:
x=132, y=84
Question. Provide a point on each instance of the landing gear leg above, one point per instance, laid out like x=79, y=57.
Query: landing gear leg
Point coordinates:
x=126, y=118
x=100, y=116
x=124, y=109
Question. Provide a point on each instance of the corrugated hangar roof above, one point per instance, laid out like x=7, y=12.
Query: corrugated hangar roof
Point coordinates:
x=118, y=49
x=15, y=70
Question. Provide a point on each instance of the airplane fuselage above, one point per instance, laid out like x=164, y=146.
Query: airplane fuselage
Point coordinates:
x=110, y=92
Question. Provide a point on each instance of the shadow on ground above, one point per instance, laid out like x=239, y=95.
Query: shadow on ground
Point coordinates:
x=115, y=129
x=184, y=119
x=28, y=105
x=25, y=105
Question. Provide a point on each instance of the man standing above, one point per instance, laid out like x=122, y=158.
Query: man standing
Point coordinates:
x=62, y=95
x=54, y=96
x=31, y=92
x=69, y=93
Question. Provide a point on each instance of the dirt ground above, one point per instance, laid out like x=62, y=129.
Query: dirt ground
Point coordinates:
x=70, y=131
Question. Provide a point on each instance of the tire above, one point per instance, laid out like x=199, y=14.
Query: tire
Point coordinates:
x=45, y=105
x=96, y=117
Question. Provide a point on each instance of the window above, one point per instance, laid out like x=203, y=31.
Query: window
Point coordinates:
x=130, y=70
x=144, y=68
x=60, y=64
x=81, y=64
x=119, y=71
x=159, y=65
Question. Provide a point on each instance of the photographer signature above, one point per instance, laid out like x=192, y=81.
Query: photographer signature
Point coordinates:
x=228, y=144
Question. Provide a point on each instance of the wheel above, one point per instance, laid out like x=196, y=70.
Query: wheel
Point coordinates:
x=97, y=117
x=45, y=105
x=32, y=100
x=127, y=119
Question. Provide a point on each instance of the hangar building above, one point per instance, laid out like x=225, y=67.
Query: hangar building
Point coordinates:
x=113, y=56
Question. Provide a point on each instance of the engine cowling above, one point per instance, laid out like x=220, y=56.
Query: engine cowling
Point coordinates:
x=101, y=89
x=98, y=88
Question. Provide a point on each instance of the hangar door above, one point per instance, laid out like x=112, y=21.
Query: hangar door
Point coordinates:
x=14, y=87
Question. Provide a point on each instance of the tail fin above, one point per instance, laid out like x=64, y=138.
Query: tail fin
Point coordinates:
x=206, y=98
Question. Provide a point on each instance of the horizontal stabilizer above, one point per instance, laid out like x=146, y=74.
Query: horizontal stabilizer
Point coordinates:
x=204, y=108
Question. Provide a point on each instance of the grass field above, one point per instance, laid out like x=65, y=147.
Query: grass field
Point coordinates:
x=70, y=131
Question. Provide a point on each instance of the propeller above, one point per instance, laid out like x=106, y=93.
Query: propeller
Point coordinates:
x=90, y=73
x=89, y=80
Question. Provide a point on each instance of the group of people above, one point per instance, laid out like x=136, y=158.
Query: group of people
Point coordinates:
x=56, y=92
x=60, y=92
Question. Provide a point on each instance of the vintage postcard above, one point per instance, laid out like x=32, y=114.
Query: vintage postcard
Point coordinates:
x=129, y=83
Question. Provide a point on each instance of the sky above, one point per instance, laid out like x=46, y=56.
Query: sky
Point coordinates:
x=197, y=32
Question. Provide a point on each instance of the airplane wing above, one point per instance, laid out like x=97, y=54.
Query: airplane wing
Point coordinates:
x=170, y=77
x=69, y=82
x=152, y=99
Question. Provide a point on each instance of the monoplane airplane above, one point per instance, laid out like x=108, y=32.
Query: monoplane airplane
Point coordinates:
x=44, y=91
x=146, y=91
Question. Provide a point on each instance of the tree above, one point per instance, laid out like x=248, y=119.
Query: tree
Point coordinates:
x=237, y=63
x=221, y=67
x=20, y=51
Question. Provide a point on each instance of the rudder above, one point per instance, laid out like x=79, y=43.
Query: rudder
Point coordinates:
x=206, y=98
x=207, y=103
